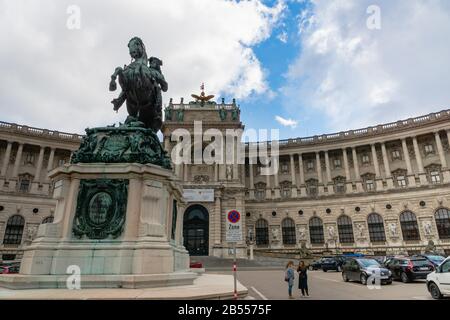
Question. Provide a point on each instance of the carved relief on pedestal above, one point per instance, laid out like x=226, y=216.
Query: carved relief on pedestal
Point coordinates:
x=275, y=234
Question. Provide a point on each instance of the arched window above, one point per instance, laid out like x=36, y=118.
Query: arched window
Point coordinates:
x=14, y=230
x=410, y=229
x=376, y=228
x=345, y=229
x=48, y=219
x=288, y=231
x=262, y=232
x=442, y=217
x=316, y=230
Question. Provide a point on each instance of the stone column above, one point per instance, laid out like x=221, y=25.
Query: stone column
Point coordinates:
x=18, y=160
x=216, y=172
x=319, y=168
x=422, y=174
x=50, y=160
x=348, y=178
x=319, y=174
x=37, y=176
x=218, y=220
x=6, y=158
x=378, y=180
x=328, y=173
x=252, y=183
x=406, y=156
x=302, y=176
x=359, y=187
x=445, y=169
x=268, y=188
x=387, y=169
x=293, y=177
x=440, y=149
x=185, y=172
x=411, y=177
x=277, y=184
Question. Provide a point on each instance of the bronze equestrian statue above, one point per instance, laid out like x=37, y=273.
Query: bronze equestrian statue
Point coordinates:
x=141, y=82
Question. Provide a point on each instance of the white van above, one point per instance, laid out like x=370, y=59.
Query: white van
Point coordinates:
x=438, y=282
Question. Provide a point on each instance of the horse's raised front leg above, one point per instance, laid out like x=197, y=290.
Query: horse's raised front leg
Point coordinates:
x=112, y=83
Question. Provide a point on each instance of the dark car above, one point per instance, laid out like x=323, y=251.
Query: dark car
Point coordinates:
x=316, y=264
x=408, y=269
x=363, y=269
x=333, y=263
x=436, y=260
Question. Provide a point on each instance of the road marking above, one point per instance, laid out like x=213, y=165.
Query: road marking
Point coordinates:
x=421, y=298
x=259, y=293
x=328, y=279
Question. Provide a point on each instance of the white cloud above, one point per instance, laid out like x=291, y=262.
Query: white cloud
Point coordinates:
x=286, y=122
x=358, y=77
x=283, y=37
x=58, y=78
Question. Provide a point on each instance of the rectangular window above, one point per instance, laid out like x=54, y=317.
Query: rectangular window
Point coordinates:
x=340, y=187
x=365, y=159
x=435, y=177
x=284, y=167
x=396, y=155
x=310, y=165
x=24, y=185
x=337, y=163
x=401, y=181
x=260, y=194
x=370, y=186
x=286, y=193
x=429, y=149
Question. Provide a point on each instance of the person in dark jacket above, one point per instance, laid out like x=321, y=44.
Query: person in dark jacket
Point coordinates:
x=303, y=278
x=289, y=277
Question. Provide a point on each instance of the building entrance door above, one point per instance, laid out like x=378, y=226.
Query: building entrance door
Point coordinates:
x=195, y=230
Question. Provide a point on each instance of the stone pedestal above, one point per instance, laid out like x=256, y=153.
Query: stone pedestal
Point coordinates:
x=120, y=224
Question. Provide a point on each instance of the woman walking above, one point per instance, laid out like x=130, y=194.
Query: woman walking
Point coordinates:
x=289, y=277
x=303, y=278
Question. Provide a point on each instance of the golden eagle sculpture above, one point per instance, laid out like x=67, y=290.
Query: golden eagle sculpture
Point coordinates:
x=202, y=98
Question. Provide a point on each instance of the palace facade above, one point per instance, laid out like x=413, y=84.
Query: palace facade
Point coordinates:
x=379, y=190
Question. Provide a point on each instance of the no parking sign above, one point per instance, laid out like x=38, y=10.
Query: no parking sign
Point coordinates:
x=234, y=226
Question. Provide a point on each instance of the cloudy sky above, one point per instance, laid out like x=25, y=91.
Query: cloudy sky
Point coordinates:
x=306, y=67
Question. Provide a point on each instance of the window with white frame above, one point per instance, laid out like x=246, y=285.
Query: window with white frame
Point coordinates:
x=310, y=165
x=284, y=167
x=435, y=177
x=429, y=149
x=401, y=181
x=365, y=159
x=337, y=163
x=396, y=155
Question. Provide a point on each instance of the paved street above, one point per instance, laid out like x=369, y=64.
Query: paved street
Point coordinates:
x=270, y=284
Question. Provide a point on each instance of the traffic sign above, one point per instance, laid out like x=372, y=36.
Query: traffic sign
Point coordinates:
x=234, y=226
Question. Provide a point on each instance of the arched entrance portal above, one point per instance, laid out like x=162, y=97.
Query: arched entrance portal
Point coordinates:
x=195, y=230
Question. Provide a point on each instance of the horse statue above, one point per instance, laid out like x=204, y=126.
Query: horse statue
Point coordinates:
x=142, y=82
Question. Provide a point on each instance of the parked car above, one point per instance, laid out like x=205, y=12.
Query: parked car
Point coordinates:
x=408, y=269
x=7, y=269
x=361, y=269
x=316, y=264
x=333, y=263
x=438, y=282
x=436, y=260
